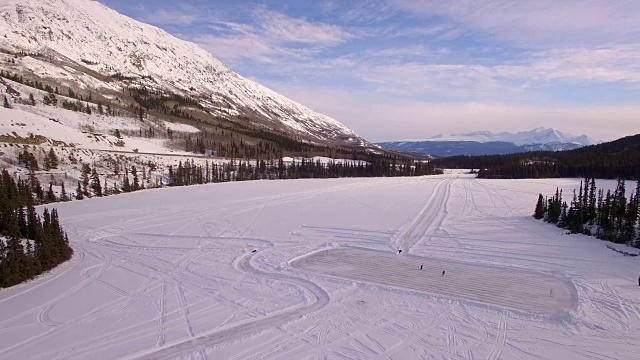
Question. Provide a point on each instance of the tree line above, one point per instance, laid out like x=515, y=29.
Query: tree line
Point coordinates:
x=29, y=244
x=191, y=174
x=608, y=216
x=613, y=160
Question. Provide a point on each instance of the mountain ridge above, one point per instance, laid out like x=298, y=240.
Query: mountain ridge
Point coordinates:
x=490, y=143
x=538, y=135
x=64, y=41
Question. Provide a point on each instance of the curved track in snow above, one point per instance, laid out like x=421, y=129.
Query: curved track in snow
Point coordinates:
x=201, y=342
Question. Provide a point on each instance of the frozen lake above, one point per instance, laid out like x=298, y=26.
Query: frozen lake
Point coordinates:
x=309, y=269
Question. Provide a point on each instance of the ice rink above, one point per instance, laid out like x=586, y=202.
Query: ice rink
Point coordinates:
x=508, y=288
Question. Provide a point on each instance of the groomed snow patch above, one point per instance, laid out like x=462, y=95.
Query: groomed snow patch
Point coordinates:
x=508, y=288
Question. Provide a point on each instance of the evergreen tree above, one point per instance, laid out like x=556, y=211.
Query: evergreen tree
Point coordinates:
x=51, y=196
x=63, y=193
x=27, y=241
x=541, y=208
x=136, y=182
x=591, y=212
x=126, y=186
x=95, y=183
x=6, y=103
x=619, y=207
x=32, y=100
x=53, y=159
x=85, y=177
x=79, y=192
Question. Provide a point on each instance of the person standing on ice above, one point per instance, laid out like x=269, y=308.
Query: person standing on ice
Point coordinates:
x=639, y=281
x=423, y=265
x=442, y=272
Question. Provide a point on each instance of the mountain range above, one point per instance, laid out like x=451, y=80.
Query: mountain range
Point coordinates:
x=535, y=136
x=106, y=56
x=490, y=143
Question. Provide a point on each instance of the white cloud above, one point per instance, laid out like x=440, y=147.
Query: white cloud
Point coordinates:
x=418, y=71
x=282, y=28
x=273, y=38
x=542, y=24
x=380, y=118
x=181, y=16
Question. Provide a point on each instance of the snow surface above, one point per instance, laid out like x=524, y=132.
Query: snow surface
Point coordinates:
x=535, y=136
x=77, y=129
x=171, y=273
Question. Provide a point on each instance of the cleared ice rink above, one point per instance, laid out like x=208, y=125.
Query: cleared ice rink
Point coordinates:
x=503, y=287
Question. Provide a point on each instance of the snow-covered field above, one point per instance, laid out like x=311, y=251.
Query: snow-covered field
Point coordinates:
x=172, y=273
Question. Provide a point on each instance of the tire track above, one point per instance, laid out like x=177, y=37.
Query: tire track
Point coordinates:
x=501, y=338
x=430, y=217
x=204, y=341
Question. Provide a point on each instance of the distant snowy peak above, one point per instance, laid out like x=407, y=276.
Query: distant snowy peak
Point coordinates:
x=535, y=136
x=85, y=43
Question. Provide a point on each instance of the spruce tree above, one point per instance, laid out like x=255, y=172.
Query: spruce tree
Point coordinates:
x=540, y=208
x=96, y=188
x=592, y=202
x=53, y=159
x=86, y=178
x=126, y=185
x=136, y=182
x=6, y=103
x=51, y=196
x=63, y=193
x=79, y=192
x=628, y=232
x=619, y=207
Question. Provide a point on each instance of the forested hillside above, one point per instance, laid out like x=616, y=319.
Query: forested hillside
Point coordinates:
x=608, y=216
x=29, y=244
x=612, y=160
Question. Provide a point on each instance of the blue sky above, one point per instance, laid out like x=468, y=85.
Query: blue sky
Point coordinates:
x=400, y=69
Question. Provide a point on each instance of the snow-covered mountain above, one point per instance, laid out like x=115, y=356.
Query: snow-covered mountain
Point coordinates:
x=535, y=136
x=85, y=45
x=490, y=143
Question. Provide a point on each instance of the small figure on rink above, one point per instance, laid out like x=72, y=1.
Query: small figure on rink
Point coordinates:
x=423, y=265
x=638, y=281
x=442, y=272
x=399, y=251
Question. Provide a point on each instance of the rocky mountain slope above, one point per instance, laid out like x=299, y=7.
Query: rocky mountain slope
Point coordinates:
x=87, y=47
